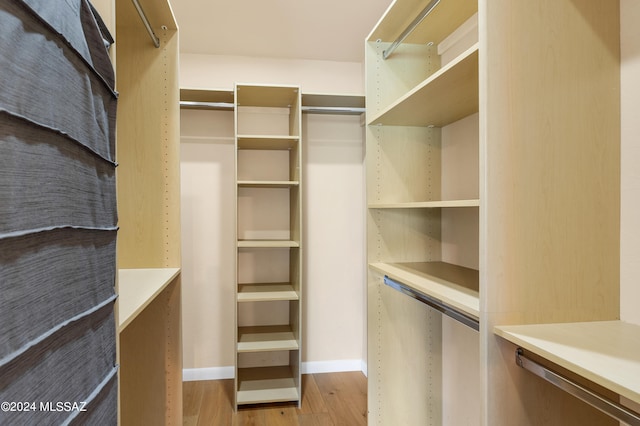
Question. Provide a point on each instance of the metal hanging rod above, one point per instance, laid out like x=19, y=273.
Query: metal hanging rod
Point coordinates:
x=425, y=12
x=332, y=110
x=207, y=105
x=603, y=404
x=147, y=25
x=434, y=303
x=308, y=109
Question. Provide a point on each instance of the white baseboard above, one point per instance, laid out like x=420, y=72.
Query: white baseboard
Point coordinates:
x=211, y=373
x=313, y=367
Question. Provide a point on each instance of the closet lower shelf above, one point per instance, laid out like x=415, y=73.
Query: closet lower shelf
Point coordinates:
x=266, y=384
x=266, y=292
x=604, y=352
x=453, y=285
x=266, y=338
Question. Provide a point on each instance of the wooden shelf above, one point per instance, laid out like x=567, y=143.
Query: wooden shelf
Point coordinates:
x=456, y=88
x=266, y=384
x=604, y=352
x=266, y=292
x=267, y=142
x=266, y=96
x=267, y=244
x=137, y=288
x=267, y=183
x=266, y=338
x=426, y=204
x=454, y=285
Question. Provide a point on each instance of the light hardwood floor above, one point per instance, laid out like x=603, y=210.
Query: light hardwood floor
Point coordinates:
x=330, y=399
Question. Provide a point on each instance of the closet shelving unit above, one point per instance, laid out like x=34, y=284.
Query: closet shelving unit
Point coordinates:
x=268, y=346
x=521, y=228
x=149, y=255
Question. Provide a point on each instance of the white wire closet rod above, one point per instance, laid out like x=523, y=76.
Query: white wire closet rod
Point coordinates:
x=412, y=26
x=147, y=25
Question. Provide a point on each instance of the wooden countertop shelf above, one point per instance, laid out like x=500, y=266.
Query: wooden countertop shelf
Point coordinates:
x=137, y=288
x=604, y=352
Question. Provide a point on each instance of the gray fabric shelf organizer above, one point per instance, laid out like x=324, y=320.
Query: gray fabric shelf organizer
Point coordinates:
x=58, y=215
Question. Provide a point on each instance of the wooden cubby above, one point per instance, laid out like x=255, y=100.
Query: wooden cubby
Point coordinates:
x=493, y=149
x=148, y=186
x=269, y=245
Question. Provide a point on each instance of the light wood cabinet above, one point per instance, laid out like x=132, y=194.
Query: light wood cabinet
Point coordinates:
x=149, y=255
x=269, y=243
x=493, y=144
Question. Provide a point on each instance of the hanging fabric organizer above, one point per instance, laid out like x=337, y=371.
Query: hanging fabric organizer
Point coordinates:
x=58, y=216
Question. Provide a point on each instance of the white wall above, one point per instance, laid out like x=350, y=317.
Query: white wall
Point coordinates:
x=334, y=271
x=221, y=72
x=630, y=166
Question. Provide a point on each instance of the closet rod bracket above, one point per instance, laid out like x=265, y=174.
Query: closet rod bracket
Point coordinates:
x=603, y=404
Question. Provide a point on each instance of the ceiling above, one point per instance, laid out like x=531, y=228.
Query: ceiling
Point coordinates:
x=332, y=30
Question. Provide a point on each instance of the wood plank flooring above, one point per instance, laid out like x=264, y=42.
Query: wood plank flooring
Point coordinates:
x=329, y=399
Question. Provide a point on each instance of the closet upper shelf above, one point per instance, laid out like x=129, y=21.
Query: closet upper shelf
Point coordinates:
x=604, y=352
x=456, y=88
x=453, y=285
x=435, y=27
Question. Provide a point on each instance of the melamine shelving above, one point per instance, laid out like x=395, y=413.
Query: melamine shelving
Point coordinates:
x=521, y=88
x=269, y=184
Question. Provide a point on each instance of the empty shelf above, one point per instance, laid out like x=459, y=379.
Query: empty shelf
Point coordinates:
x=267, y=142
x=267, y=244
x=604, y=352
x=453, y=285
x=266, y=292
x=137, y=288
x=426, y=204
x=266, y=384
x=266, y=338
x=455, y=86
x=267, y=183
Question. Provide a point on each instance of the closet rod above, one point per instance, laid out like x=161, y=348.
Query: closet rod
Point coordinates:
x=434, y=303
x=605, y=405
x=425, y=12
x=207, y=105
x=309, y=109
x=147, y=25
x=332, y=110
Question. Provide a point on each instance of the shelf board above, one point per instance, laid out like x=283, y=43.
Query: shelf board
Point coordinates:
x=137, y=288
x=266, y=384
x=446, y=17
x=426, y=204
x=266, y=338
x=266, y=96
x=604, y=352
x=327, y=103
x=454, y=285
x=268, y=183
x=267, y=244
x=206, y=98
x=454, y=87
x=267, y=142
x=266, y=292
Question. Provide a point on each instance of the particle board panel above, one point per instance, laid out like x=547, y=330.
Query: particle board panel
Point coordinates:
x=604, y=352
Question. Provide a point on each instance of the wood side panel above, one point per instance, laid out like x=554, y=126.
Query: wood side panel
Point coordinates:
x=550, y=130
